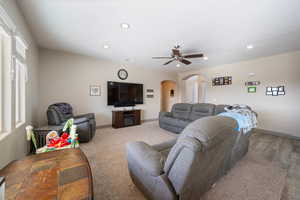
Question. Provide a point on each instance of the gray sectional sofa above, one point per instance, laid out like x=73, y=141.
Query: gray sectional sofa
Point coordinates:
x=187, y=167
x=183, y=114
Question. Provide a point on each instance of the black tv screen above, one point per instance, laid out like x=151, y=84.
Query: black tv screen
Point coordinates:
x=124, y=94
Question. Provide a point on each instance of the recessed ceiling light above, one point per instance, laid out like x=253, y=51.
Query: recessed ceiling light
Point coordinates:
x=178, y=65
x=250, y=46
x=106, y=46
x=125, y=26
x=205, y=58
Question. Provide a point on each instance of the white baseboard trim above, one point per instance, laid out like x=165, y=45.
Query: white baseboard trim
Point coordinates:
x=103, y=126
x=109, y=125
x=149, y=120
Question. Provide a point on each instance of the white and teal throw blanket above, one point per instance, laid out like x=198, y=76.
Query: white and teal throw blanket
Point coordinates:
x=244, y=116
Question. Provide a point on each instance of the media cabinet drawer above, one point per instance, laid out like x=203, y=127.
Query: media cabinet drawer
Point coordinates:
x=126, y=118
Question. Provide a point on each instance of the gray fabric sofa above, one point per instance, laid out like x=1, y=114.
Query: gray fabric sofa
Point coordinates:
x=187, y=167
x=183, y=114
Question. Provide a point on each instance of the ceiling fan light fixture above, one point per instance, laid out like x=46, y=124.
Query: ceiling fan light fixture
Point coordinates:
x=125, y=26
x=106, y=46
x=249, y=46
x=177, y=56
x=205, y=58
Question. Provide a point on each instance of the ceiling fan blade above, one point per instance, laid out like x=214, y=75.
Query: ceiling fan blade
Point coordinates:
x=200, y=55
x=176, y=52
x=184, y=61
x=161, y=57
x=169, y=62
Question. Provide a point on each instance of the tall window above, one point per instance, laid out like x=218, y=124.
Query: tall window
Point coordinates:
x=13, y=75
x=5, y=80
x=20, y=82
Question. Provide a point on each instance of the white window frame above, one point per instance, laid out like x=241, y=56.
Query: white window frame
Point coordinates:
x=6, y=85
x=20, y=81
x=20, y=93
x=1, y=89
x=12, y=106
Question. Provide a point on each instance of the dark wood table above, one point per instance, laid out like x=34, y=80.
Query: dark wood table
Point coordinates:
x=63, y=174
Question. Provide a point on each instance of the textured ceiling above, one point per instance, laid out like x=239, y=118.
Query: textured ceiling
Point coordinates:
x=219, y=29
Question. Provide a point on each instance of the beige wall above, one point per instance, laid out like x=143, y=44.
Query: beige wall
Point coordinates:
x=281, y=113
x=166, y=100
x=66, y=77
x=15, y=146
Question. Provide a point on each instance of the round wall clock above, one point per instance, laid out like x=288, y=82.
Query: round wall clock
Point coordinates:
x=123, y=74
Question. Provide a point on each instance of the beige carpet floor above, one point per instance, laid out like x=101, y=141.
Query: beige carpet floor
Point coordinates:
x=253, y=178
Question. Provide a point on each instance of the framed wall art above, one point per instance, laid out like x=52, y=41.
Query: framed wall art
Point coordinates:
x=95, y=90
x=275, y=91
x=226, y=80
x=281, y=90
x=269, y=91
x=150, y=93
x=150, y=96
x=149, y=90
x=252, y=89
x=252, y=83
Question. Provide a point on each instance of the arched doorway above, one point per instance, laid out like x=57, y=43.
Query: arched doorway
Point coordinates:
x=168, y=95
x=194, y=88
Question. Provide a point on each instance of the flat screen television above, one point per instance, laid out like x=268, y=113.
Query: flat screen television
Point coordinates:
x=124, y=94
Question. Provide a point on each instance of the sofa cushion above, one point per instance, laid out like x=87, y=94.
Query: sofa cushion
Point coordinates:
x=165, y=147
x=201, y=135
x=201, y=110
x=210, y=131
x=88, y=115
x=220, y=108
x=64, y=108
x=181, y=110
x=146, y=157
x=171, y=121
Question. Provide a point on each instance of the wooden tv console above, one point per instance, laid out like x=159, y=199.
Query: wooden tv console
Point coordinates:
x=125, y=118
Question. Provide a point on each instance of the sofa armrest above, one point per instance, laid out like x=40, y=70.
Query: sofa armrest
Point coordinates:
x=165, y=114
x=88, y=115
x=80, y=120
x=164, y=145
x=143, y=155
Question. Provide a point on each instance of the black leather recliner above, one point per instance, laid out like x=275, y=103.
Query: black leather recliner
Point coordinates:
x=59, y=113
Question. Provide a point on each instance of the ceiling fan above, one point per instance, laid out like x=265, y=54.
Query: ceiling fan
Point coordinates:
x=177, y=56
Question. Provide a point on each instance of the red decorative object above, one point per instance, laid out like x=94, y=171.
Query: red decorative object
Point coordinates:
x=60, y=142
